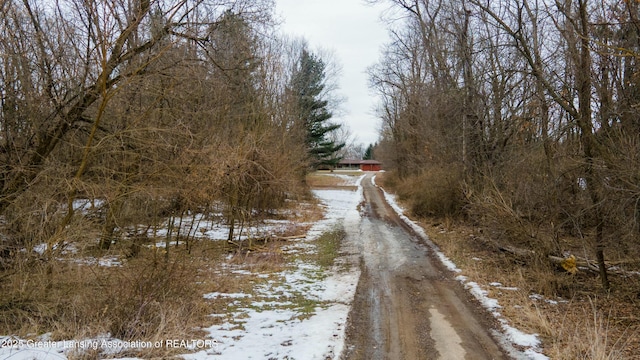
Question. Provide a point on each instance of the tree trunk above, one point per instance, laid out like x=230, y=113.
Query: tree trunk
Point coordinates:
x=587, y=137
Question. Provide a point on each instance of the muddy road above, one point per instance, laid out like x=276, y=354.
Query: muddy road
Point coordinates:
x=406, y=305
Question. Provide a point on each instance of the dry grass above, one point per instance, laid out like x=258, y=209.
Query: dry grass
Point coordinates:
x=147, y=298
x=151, y=296
x=574, y=318
x=572, y=321
x=326, y=180
x=592, y=336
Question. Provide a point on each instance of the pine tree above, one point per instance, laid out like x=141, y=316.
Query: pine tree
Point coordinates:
x=368, y=154
x=313, y=114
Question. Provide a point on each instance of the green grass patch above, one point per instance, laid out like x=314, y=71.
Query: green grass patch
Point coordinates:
x=328, y=246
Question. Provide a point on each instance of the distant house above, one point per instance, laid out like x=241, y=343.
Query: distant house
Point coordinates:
x=349, y=164
x=370, y=165
x=355, y=164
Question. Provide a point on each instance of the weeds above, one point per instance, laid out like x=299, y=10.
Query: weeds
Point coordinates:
x=154, y=294
x=143, y=299
x=588, y=332
x=571, y=325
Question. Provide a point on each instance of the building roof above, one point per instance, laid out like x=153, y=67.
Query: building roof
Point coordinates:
x=358, y=162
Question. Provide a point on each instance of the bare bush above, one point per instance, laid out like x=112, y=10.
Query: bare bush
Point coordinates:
x=442, y=198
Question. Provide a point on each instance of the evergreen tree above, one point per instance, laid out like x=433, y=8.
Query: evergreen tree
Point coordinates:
x=307, y=85
x=368, y=154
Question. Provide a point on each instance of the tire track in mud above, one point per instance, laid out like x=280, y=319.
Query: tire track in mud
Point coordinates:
x=406, y=305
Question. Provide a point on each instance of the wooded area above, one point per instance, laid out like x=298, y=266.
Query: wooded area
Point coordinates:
x=521, y=116
x=122, y=118
x=122, y=121
x=150, y=109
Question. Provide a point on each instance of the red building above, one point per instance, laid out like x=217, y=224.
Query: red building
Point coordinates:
x=364, y=165
x=370, y=165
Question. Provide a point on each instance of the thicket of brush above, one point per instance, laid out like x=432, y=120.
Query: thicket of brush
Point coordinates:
x=542, y=152
x=524, y=117
x=121, y=119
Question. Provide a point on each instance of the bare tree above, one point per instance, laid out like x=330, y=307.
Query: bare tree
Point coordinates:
x=492, y=85
x=124, y=102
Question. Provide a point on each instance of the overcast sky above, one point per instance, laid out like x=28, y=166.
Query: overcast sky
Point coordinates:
x=352, y=30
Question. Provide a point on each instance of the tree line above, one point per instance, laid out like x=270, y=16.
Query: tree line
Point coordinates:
x=148, y=110
x=521, y=115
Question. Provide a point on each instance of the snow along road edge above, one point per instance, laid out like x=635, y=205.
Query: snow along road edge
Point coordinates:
x=509, y=337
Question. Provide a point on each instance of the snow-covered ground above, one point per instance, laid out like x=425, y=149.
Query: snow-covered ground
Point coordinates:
x=274, y=327
x=298, y=313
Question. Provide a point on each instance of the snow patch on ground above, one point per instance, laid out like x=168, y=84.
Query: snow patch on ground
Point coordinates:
x=348, y=180
x=303, y=316
x=274, y=326
x=509, y=336
x=537, y=297
x=105, y=261
x=480, y=294
x=42, y=248
x=501, y=287
x=200, y=227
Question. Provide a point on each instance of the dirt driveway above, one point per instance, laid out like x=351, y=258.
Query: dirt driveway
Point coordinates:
x=406, y=306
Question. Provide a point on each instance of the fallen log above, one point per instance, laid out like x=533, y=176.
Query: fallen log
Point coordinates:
x=570, y=263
